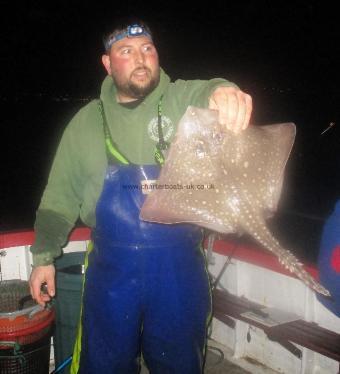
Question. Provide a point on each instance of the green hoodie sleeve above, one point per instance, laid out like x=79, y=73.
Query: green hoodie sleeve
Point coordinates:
x=61, y=201
x=197, y=92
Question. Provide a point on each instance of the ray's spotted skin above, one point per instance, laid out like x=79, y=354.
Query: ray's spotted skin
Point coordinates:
x=229, y=183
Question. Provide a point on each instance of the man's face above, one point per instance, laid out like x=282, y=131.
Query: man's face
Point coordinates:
x=134, y=67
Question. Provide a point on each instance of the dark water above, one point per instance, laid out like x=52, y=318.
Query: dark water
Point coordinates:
x=31, y=129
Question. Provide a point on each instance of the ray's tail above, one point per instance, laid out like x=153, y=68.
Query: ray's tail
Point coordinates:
x=286, y=258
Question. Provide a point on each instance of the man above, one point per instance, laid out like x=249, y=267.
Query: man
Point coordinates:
x=146, y=287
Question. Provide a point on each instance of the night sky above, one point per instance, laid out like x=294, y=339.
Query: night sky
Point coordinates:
x=56, y=48
x=284, y=55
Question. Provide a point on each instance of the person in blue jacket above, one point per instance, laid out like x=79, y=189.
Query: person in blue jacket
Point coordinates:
x=329, y=260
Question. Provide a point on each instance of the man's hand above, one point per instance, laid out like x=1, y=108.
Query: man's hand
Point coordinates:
x=234, y=107
x=40, y=275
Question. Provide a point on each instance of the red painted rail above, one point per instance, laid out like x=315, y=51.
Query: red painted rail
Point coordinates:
x=244, y=252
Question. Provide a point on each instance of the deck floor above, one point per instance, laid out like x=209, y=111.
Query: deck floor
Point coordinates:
x=215, y=364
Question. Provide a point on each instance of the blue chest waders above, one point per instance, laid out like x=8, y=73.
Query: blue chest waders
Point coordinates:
x=146, y=286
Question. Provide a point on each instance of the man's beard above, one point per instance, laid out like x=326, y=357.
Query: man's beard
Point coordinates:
x=135, y=90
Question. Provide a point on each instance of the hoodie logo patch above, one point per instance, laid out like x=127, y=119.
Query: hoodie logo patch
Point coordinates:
x=167, y=127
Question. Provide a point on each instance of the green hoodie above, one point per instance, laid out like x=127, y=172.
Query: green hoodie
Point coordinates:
x=76, y=178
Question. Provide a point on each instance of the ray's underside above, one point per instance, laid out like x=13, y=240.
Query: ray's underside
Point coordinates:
x=229, y=183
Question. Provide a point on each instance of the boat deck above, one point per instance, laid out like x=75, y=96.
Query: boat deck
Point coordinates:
x=215, y=365
x=219, y=360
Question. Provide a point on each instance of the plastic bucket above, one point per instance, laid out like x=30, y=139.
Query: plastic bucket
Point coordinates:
x=69, y=284
x=25, y=330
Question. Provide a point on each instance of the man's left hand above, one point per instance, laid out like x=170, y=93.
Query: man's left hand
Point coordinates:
x=234, y=107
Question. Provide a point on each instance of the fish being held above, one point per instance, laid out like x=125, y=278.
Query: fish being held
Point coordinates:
x=229, y=183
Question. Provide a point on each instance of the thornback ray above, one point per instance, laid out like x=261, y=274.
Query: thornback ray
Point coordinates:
x=226, y=182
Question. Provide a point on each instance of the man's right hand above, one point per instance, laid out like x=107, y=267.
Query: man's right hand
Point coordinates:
x=39, y=276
